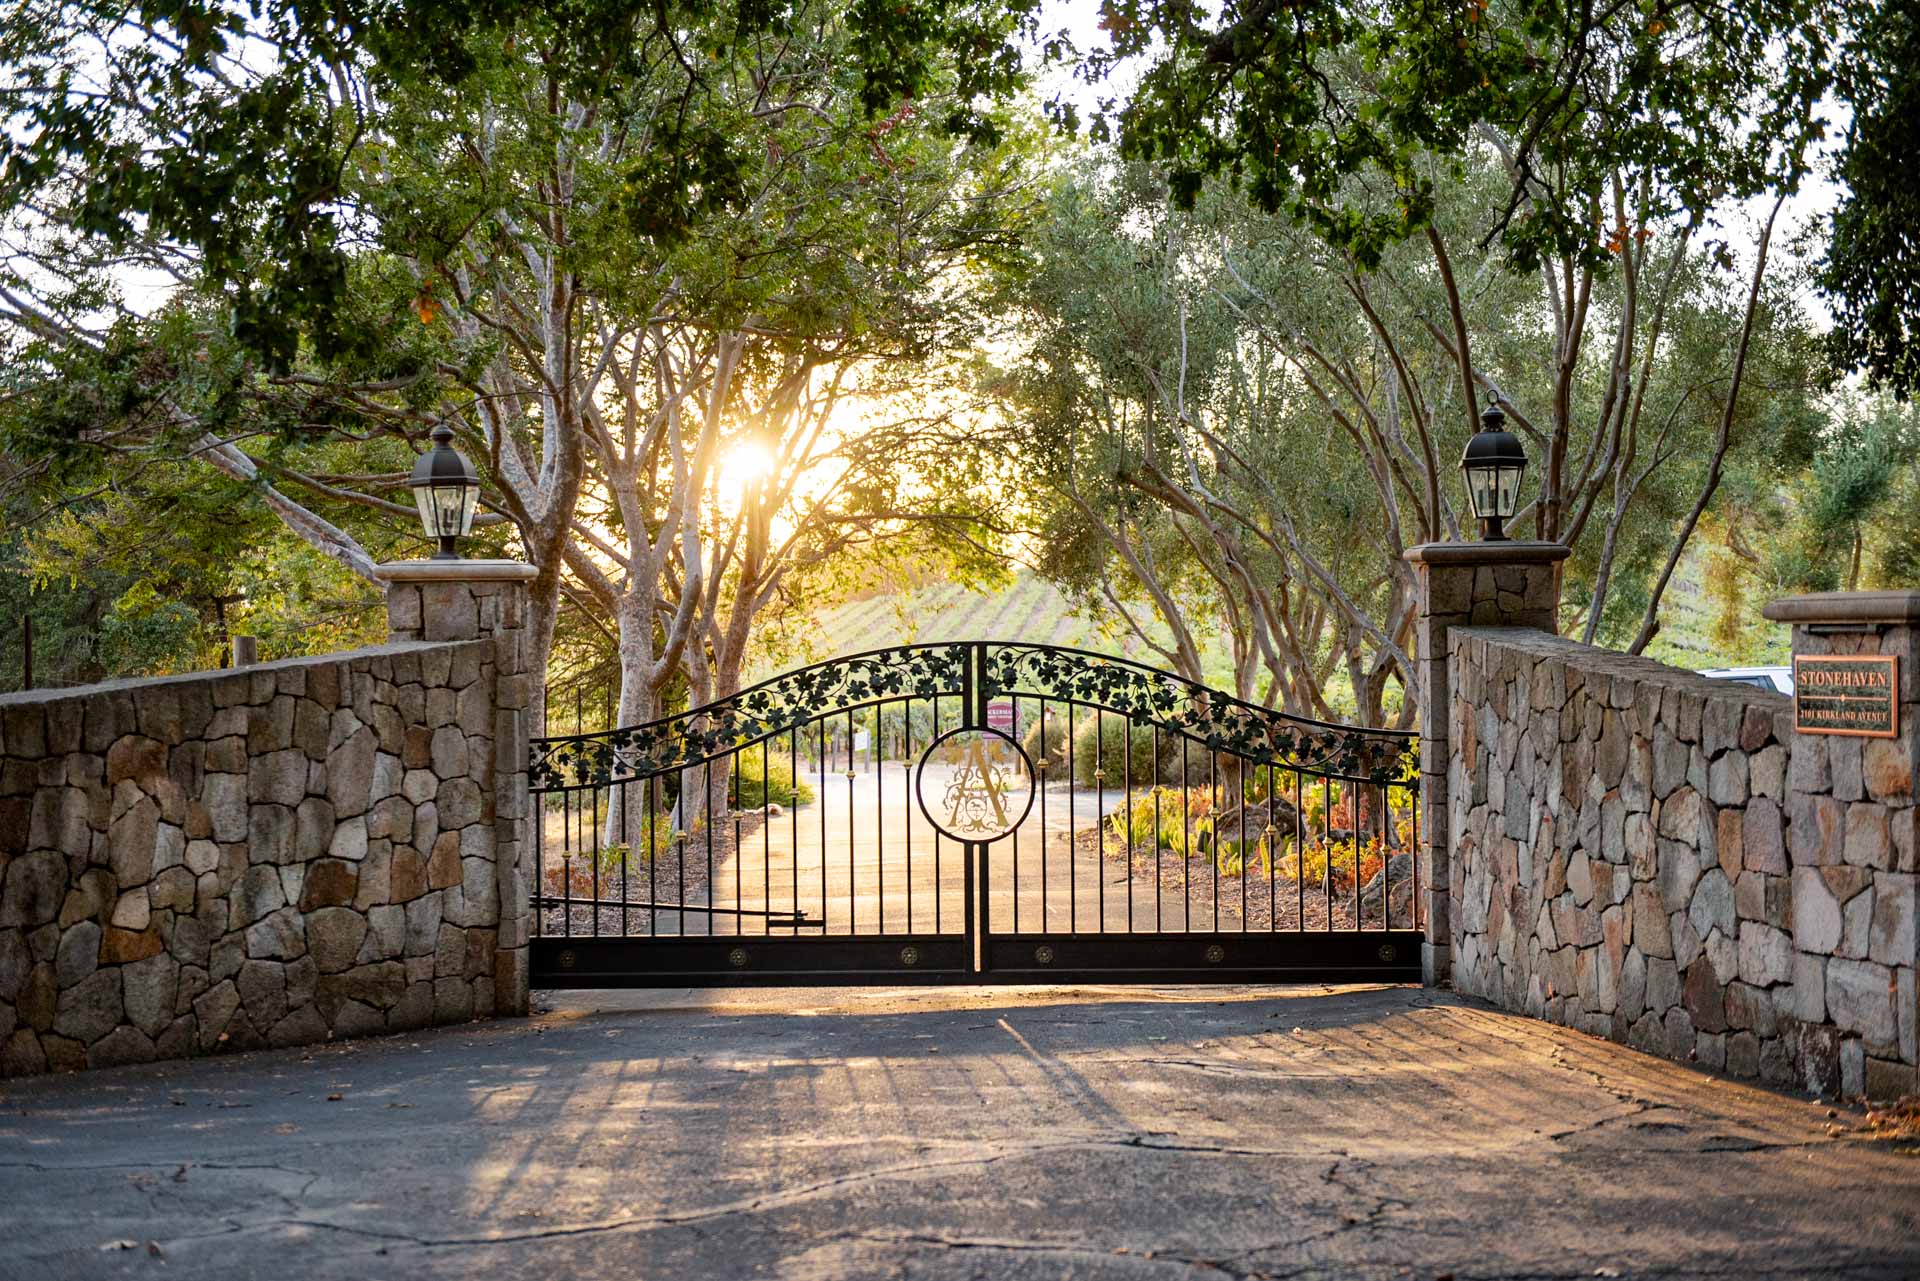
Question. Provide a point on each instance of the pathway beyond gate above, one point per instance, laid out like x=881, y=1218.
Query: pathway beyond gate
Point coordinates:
x=947, y=1133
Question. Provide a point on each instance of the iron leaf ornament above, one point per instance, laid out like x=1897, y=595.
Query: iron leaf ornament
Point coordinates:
x=773, y=707
x=1218, y=721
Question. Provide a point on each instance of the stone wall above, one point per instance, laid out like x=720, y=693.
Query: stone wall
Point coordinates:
x=266, y=856
x=1623, y=862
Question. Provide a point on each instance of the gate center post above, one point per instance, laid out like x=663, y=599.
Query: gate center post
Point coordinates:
x=1486, y=584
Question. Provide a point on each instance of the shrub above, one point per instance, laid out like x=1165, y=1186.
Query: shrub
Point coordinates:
x=1198, y=760
x=1165, y=819
x=1101, y=742
x=1046, y=743
x=778, y=785
x=1334, y=862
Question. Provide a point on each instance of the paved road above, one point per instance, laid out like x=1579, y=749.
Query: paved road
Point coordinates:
x=885, y=865
x=992, y=1133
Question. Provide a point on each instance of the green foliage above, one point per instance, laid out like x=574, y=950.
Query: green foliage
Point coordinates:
x=244, y=159
x=1119, y=750
x=1168, y=818
x=1353, y=120
x=755, y=787
x=1870, y=275
x=1045, y=744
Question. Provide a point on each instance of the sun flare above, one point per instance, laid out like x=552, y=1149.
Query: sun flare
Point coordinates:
x=743, y=466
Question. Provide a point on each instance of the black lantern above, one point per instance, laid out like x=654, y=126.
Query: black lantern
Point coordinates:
x=445, y=489
x=1493, y=464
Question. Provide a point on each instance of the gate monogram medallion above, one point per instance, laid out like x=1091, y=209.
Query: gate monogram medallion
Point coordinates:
x=974, y=784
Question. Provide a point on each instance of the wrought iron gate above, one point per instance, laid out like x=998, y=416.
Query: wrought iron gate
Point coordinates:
x=975, y=812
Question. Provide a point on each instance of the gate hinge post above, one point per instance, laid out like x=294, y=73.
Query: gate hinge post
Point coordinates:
x=1485, y=584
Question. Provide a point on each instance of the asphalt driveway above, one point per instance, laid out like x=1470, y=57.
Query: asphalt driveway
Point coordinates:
x=994, y=1133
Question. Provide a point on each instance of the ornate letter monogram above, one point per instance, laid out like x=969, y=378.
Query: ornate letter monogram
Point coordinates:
x=983, y=780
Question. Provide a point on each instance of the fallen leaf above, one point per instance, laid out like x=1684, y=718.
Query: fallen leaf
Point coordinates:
x=335, y=1098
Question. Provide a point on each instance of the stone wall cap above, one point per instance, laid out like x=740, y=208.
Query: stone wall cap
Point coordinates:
x=1500, y=552
x=125, y=684
x=1846, y=607
x=455, y=571
x=1595, y=660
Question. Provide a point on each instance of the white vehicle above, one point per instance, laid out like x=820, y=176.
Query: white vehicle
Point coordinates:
x=1777, y=679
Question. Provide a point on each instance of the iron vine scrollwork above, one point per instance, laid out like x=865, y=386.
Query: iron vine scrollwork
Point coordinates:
x=775, y=706
x=1219, y=721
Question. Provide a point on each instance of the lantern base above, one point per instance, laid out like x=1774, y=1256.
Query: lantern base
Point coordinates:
x=446, y=551
x=1492, y=530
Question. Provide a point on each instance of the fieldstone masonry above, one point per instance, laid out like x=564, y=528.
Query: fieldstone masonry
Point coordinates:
x=270, y=855
x=1852, y=821
x=1506, y=584
x=1657, y=858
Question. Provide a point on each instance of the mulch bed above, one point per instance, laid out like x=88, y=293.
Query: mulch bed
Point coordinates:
x=1280, y=905
x=679, y=875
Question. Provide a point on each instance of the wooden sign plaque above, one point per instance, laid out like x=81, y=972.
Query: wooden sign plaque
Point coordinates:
x=1856, y=694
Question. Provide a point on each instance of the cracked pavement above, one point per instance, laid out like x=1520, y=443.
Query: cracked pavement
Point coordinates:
x=948, y=1133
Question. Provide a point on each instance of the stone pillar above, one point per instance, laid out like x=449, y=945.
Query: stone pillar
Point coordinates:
x=465, y=600
x=1853, y=831
x=1491, y=584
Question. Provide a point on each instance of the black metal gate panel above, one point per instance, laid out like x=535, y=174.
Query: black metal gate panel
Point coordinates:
x=975, y=812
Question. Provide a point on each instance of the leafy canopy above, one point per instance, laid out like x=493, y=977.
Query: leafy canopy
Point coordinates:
x=1290, y=99
x=227, y=127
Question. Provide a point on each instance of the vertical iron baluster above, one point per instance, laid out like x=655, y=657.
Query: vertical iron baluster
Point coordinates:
x=906, y=798
x=766, y=837
x=1326, y=823
x=939, y=925
x=878, y=768
x=593, y=806
x=824, y=928
x=1073, y=850
x=739, y=853
x=706, y=808
x=651, y=790
x=793, y=812
x=566, y=861
x=973, y=713
x=1413, y=848
x=540, y=861
x=1270, y=838
x=1213, y=808
x=1159, y=893
x=1299, y=858
x=1016, y=831
x=853, y=872
x=1240, y=805
x=1099, y=814
x=677, y=835
x=1127, y=782
x=1359, y=827
x=1041, y=783
x=1186, y=839
x=626, y=859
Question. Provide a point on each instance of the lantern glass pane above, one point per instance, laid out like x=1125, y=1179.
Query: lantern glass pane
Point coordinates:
x=470, y=499
x=446, y=510
x=429, y=510
x=1507, y=492
x=1481, y=487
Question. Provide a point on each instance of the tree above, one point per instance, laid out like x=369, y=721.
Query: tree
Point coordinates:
x=1252, y=420
x=228, y=132
x=512, y=223
x=1870, y=275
